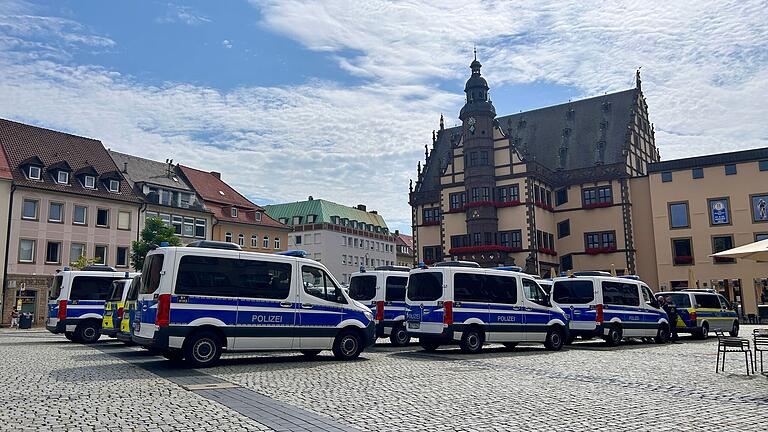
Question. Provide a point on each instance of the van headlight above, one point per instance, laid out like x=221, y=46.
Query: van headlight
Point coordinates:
x=368, y=315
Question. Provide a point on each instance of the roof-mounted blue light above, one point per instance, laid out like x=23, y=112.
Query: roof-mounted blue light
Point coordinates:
x=294, y=253
x=510, y=268
x=164, y=244
x=632, y=277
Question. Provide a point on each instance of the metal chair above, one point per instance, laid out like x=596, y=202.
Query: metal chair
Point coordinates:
x=760, y=344
x=726, y=344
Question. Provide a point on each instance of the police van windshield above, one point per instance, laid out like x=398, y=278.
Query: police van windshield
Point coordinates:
x=680, y=300
x=573, y=291
x=56, y=287
x=91, y=288
x=362, y=288
x=427, y=286
x=117, y=291
x=150, y=280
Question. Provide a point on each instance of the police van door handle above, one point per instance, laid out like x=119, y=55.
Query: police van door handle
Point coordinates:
x=286, y=304
x=306, y=306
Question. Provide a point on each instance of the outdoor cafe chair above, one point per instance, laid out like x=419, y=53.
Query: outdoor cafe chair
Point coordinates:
x=726, y=344
x=760, y=344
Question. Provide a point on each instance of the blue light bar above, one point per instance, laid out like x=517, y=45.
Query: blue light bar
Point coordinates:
x=632, y=277
x=294, y=253
x=510, y=268
x=164, y=244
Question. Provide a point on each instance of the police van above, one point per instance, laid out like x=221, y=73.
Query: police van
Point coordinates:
x=700, y=311
x=125, y=330
x=600, y=305
x=474, y=306
x=195, y=302
x=383, y=290
x=113, y=309
x=76, y=301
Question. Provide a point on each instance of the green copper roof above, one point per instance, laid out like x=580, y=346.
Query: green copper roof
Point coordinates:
x=324, y=212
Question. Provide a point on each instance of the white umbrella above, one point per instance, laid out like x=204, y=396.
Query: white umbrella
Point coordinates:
x=757, y=251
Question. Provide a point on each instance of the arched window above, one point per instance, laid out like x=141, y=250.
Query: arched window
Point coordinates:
x=241, y=239
x=265, y=243
x=255, y=241
x=277, y=242
x=228, y=237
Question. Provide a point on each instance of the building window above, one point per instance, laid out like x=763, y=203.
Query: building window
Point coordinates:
x=297, y=240
x=102, y=218
x=254, y=241
x=678, y=215
x=80, y=215
x=719, y=211
x=100, y=254
x=233, y=212
x=53, y=252
x=33, y=172
x=121, y=259
x=666, y=176
x=508, y=193
x=432, y=254
x=561, y=196
x=722, y=243
x=761, y=236
x=56, y=212
x=730, y=169
x=597, y=196
x=459, y=241
x=473, y=159
x=76, y=250
x=228, y=237
x=697, y=173
x=26, y=251
x=457, y=200
x=483, y=157
x=114, y=186
x=29, y=209
x=431, y=216
x=597, y=242
x=189, y=227
x=257, y=216
x=682, y=251
x=200, y=228
x=178, y=224
x=564, y=228
x=277, y=242
x=296, y=220
x=123, y=220
x=265, y=242
x=89, y=182
x=165, y=218
x=548, y=199
x=241, y=239
x=311, y=218
x=763, y=165
x=566, y=262
x=62, y=177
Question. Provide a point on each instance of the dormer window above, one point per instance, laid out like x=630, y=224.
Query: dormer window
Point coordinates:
x=233, y=212
x=114, y=186
x=62, y=177
x=33, y=172
x=257, y=216
x=296, y=220
x=311, y=218
x=89, y=182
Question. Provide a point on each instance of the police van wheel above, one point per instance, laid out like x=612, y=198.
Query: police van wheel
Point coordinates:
x=704, y=332
x=614, y=335
x=202, y=349
x=555, y=339
x=399, y=336
x=662, y=335
x=472, y=341
x=69, y=335
x=735, y=329
x=310, y=353
x=87, y=333
x=428, y=345
x=348, y=345
x=510, y=345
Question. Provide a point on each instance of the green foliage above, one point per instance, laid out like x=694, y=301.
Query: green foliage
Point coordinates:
x=154, y=233
x=82, y=262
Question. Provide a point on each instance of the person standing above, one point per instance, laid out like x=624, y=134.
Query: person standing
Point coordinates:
x=15, y=318
x=671, y=310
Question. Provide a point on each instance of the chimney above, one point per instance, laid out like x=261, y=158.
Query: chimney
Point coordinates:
x=125, y=167
x=361, y=207
x=310, y=198
x=397, y=233
x=216, y=174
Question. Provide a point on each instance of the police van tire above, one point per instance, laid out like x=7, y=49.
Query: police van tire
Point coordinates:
x=555, y=339
x=735, y=329
x=703, y=332
x=662, y=334
x=69, y=335
x=614, y=335
x=202, y=349
x=87, y=332
x=510, y=345
x=472, y=340
x=310, y=353
x=348, y=345
x=428, y=345
x=399, y=336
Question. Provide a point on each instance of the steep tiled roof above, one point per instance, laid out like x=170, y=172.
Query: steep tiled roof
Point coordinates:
x=324, y=211
x=5, y=169
x=139, y=170
x=24, y=143
x=405, y=240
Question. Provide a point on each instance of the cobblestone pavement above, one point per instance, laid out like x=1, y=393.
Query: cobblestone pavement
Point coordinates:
x=48, y=383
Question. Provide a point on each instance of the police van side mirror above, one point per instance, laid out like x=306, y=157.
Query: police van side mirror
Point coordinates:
x=654, y=303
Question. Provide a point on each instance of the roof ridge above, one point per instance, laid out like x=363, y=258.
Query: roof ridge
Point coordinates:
x=50, y=130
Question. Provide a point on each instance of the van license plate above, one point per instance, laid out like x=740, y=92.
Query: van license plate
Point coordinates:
x=414, y=325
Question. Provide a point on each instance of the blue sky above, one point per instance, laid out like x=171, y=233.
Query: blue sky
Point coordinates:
x=336, y=99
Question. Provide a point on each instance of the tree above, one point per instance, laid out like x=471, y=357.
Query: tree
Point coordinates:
x=82, y=263
x=155, y=232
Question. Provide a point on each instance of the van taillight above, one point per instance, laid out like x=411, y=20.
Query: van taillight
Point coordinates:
x=448, y=315
x=379, y=310
x=62, y=309
x=120, y=313
x=693, y=316
x=163, y=317
x=599, y=317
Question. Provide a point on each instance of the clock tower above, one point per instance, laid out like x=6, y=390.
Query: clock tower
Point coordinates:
x=477, y=116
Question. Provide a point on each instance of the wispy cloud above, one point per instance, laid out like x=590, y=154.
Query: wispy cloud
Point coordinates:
x=226, y=43
x=184, y=15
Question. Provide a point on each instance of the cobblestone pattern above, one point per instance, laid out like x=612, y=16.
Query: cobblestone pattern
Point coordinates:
x=50, y=384
x=587, y=387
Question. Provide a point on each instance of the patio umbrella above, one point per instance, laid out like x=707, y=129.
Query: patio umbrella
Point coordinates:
x=613, y=270
x=757, y=251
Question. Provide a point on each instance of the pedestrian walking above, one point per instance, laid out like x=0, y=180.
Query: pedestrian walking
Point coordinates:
x=15, y=318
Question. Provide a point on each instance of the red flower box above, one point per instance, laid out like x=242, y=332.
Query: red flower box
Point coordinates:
x=512, y=203
x=483, y=248
x=597, y=205
x=479, y=204
x=600, y=250
x=548, y=251
x=683, y=259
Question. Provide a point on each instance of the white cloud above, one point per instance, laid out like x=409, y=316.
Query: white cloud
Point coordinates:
x=184, y=15
x=226, y=43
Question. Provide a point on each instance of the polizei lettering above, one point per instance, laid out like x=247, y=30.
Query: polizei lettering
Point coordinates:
x=277, y=319
x=506, y=318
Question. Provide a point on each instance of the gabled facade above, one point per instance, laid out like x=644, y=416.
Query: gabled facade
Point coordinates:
x=404, y=249
x=68, y=200
x=167, y=196
x=235, y=218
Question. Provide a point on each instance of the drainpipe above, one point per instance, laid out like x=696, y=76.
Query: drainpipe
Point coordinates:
x=7, y=250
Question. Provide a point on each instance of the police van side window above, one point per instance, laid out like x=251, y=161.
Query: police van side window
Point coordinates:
x=117, y=291
x=573, y=292
x=395, y=290
x=724, y=303
x=150, y=279
x=133, y=291
x=620, y=294
x=707, y=301
x=206, y=276
x=56, y=287
x=680, y=300
x=468, y=287
x=362, y=288
x=91, y=288
x=502, y=289
x=264, y=279
x=318, y=284
x=533, y=292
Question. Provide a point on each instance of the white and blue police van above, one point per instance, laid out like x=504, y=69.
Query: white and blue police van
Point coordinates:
x=196, y=301
x=601, y=305
x=76, y=301
x=383, y=291
x=459, y=302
